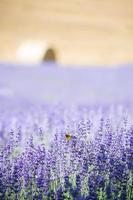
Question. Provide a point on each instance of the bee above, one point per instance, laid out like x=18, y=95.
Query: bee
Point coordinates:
x=68, y=137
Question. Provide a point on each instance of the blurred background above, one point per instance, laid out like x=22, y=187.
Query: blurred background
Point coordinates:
x=57, y=39
x=71, y=32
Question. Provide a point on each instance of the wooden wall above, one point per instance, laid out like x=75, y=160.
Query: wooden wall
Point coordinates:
x=84, y=32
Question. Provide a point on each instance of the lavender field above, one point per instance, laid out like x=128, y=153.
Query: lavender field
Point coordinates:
x=66, y=134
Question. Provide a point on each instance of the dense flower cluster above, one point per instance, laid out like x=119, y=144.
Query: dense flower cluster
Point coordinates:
x=64, y=152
